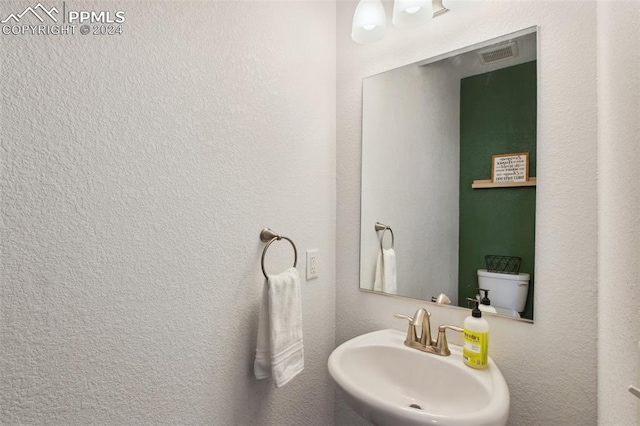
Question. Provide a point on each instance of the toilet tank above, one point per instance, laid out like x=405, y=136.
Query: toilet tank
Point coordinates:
x=505, y=290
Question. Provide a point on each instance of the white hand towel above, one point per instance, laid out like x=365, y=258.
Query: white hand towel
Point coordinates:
x=377, y=281
x=385, y=278
x=280, y=351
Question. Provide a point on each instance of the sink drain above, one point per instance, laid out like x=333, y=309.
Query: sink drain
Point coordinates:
x=416, y=406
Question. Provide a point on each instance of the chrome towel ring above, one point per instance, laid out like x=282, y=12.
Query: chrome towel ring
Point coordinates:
x=382, y=227
x=268, y=236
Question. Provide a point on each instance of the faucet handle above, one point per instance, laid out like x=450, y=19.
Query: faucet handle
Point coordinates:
x=442, y=348
x=416, y=319
x=403, y=316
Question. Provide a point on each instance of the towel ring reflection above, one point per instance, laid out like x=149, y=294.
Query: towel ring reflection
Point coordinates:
x=268, y=236
x=382, y=227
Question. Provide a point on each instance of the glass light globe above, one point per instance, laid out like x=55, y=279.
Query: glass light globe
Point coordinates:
x=369, y=22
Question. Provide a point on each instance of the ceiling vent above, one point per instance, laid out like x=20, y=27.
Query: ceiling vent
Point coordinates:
x=502, y=52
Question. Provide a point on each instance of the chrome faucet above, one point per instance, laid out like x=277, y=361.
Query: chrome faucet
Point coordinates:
x=423, y=342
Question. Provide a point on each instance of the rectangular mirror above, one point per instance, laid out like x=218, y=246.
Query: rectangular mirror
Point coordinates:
x=448, y=177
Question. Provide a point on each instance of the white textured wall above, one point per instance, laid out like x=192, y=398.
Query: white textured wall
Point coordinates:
x=408, y=163
x=137, y=174
x=550, y=366
x=619, y=204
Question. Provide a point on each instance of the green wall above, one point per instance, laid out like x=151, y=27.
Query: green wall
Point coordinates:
x=497, y=116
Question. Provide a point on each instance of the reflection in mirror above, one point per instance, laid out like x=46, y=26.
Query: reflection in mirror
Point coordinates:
x=461, y=219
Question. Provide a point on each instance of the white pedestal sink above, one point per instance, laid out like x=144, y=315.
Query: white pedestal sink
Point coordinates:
x=388, y=383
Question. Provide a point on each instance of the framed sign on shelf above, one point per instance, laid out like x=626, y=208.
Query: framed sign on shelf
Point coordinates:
x=510, y=168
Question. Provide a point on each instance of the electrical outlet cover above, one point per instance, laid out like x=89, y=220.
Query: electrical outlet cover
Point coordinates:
x=312, y=264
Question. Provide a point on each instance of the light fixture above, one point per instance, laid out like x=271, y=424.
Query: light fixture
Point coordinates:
x=410, y=13
x=369, y=22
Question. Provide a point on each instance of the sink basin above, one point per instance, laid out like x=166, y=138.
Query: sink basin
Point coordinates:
x=388, y=383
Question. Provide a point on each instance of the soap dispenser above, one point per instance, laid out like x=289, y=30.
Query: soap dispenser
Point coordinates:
x=485, y=302
x=475, y=353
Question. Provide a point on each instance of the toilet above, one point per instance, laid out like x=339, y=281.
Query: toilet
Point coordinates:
x=508, y=292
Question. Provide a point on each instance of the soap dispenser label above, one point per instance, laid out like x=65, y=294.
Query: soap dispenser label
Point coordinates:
x=476, y=348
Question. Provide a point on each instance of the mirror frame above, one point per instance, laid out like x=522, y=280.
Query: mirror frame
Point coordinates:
x=526, y=31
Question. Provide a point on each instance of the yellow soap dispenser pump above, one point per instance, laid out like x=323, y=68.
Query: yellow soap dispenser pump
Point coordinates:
x=476, y=339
